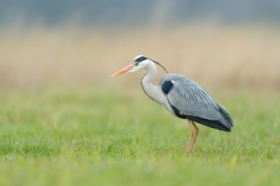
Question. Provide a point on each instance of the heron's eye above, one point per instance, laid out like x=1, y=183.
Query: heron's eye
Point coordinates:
x=136, y=63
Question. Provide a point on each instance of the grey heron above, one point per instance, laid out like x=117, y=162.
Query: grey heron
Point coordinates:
x=182, y=97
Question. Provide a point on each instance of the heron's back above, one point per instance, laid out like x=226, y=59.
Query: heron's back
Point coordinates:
x=189, y=101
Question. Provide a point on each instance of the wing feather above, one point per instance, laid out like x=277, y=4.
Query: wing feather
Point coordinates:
x=191, y=100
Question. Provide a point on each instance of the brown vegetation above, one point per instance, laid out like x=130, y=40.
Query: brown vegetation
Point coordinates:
x=234, y=57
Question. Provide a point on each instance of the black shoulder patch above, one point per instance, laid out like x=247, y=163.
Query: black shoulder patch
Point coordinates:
x=141, y=58
x=167, y=86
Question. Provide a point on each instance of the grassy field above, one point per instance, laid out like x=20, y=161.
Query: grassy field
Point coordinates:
x=101, y=136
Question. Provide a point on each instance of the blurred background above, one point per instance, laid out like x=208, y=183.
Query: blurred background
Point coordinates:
x=229, y=44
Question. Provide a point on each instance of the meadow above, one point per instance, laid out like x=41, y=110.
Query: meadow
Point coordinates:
x=65, y=122
x=98, y=136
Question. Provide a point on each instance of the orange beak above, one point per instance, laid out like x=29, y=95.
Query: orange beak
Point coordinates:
x=123, y=70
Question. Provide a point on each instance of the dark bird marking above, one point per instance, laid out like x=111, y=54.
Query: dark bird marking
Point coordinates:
x=167, y=86
x=139, y=59
x=216, y=124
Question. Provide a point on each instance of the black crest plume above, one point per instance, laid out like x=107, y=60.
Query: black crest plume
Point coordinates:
x=160, y=65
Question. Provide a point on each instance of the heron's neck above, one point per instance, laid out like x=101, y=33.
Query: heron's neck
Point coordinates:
x=151, y=74
x=147, y=82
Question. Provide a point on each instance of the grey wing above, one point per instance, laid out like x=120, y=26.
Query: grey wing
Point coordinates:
x=189, y=100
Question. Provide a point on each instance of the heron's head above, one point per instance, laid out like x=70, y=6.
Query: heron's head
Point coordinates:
x=138, y=63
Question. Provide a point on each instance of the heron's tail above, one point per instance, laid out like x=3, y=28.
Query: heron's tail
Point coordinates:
x=227, y=121
x=215, y=124
x=224, y=123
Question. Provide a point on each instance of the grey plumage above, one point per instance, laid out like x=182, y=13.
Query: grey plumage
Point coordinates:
x=193, y=103
x=185, y=99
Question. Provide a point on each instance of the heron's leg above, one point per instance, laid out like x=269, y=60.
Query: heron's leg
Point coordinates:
x=189, y=145
x=196, y=130
x=193, y=134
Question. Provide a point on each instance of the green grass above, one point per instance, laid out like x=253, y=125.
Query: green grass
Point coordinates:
x=99, y=136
